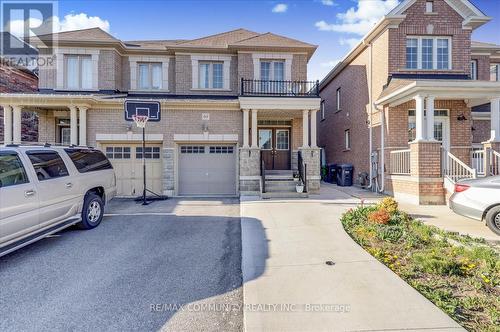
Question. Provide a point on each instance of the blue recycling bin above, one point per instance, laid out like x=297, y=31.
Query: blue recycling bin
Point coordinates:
x=344, y=175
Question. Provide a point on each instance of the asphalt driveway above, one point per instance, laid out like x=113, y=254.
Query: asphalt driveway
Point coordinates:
x=133, y=272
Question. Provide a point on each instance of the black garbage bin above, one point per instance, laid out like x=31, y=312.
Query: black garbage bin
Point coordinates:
x=332, y=173
x=345, y=173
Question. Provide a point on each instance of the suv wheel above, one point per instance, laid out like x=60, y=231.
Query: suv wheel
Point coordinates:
x=493, y=219
x=92, y=212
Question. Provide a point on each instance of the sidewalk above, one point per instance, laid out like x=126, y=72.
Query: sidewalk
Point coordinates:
x=284, y=257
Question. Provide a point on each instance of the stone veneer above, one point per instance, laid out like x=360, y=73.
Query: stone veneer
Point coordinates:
x=249, y=171
x=311, y=157
x=169, y=171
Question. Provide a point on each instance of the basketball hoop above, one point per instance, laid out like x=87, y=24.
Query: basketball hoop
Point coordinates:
x=140, y=120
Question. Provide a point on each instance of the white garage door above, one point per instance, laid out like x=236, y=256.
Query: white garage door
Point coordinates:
x=127, y=163
x=207, y=170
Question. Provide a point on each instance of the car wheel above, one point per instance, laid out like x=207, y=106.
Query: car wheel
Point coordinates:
x=92, y=212
x=493, y=219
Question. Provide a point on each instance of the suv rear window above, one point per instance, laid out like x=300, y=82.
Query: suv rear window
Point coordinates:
x=86, y=160
x=11, y=170
x=48, y=164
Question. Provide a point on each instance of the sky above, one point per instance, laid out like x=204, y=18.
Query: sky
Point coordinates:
x=334, y=25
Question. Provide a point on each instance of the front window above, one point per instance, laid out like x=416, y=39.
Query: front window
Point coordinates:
x=322, y=110
x=78, y=72
x=11, y=170
x=473, y=70
x=210, y=75
x=494, y=72
x=429, y=6
x=150, y=76
x=272, y=70
x=428, y=53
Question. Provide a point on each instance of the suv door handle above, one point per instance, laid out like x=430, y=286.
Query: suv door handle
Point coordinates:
x=69, y=185
x=29, y=193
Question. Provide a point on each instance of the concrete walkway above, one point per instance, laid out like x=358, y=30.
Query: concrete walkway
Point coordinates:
x=288, y=287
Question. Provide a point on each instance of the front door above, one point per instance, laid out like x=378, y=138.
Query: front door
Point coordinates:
x=275, y=147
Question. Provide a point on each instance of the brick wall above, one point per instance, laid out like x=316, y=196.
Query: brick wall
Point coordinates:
x=299, y=67
x=482, y=131
x=483, y=67
x=447, y=22
x=110, y=70
x=15, y=80
x=46, y=74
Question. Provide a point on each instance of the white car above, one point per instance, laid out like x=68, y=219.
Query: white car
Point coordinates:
x=479, y=199
x=44, y=189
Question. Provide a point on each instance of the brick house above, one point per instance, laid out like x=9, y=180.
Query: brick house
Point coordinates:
x=410, y=105
x=16, y=77
x=235, y=110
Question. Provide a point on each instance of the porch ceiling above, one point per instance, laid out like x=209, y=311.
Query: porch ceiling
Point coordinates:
x=474, y=92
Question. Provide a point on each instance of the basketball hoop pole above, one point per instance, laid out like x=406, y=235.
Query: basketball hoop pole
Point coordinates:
x=144, y=202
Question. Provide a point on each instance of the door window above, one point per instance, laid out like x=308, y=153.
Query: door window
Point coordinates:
x=65, y=136
x=282, y=139
x=438, y=131
x=47, y=165
x=265, y=139
x=11, y=170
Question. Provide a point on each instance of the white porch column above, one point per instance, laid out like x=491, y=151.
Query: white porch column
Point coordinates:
x=82, y=139
x=430, y=118
x=7, y=124
x=16, y=124
x=255, y=143
x=245, y=128
x=495, y=120
x=419, y=117
x=73, y=119
x=305, y=128
x=313, y=128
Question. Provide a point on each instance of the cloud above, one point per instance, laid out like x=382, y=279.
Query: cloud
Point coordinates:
x=328, y=2
x=280, y=8
x=69, y=22
x=361, y=19
x=329, y=64
x=349, y=41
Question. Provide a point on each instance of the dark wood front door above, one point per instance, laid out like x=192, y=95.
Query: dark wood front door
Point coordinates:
x=275, y=147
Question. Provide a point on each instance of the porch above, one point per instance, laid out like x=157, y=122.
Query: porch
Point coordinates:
x=428, y=138
x=279, y=145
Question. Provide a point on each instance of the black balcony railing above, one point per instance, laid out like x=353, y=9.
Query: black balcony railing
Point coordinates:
x=279, y=88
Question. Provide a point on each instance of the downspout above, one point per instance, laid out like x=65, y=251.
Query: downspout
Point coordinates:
x=370, y=144
x=382, y=148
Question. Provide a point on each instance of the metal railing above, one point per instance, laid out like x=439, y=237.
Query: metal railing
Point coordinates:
x=279, y=88
x=494, y=162
x=478, y=161
x=455, y=169
x=302, y=166
x=400, y=162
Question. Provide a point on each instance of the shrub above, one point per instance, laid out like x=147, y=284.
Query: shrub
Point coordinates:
x=389, y=204
x=391, y=233
x=380, y=216
x=438, y=263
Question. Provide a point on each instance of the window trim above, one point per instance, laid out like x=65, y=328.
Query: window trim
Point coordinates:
x=473, y=69
x=347, y=140
x=150, y=75
x=272, y=62
x=226, y=66
x=434, y=53
x=287, y=137
x=429, y=7
x=497, y=65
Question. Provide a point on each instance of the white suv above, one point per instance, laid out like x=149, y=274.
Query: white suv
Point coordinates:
x=44, y=189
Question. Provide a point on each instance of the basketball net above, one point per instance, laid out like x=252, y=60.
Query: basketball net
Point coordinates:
x=140, y=120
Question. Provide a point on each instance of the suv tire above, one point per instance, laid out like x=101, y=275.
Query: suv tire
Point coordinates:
x=92, y=212
x=493, y=219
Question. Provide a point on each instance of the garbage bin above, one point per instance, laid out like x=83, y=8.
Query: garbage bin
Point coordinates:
x=345, y=172
x=332, y=173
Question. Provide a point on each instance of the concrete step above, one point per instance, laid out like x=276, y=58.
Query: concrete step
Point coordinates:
x=276, y=186
x=277, y=177
x=293, y=194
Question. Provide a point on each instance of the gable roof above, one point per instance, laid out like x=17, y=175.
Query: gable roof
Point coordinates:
x=221, y=39
x=91, y=34
x=272, y=40
x=463, y=7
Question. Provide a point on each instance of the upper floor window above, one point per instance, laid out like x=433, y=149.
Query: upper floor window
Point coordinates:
x=338, y=99
x=347, y=139
x=210, y=75
x=150, y=76
x=428, y=53
x=494, y=72
x=473, y=70
x=78, y=72
x=429, y=6
x=272, y=70
x=322, y=109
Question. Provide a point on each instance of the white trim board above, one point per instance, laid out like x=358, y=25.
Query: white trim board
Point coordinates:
x=128, y=137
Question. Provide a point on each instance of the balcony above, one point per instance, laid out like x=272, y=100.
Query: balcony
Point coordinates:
x=262, y=88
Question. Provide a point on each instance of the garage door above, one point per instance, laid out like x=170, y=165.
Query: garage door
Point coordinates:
x=207, y=170
x=127, y=162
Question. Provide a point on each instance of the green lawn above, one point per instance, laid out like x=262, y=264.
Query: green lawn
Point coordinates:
x=459, y=274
